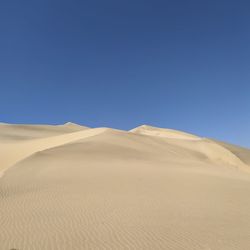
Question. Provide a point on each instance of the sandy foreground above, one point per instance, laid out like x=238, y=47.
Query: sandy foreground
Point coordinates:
x=71, y=187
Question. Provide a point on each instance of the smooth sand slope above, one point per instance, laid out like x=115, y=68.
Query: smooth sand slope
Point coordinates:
x=71, y=187
x=20, y=132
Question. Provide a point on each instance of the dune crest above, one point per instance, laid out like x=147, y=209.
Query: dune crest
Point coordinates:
x=13, y=152
x=163, y=132
x=20, y=132
x=74, y=125
x=43, y=137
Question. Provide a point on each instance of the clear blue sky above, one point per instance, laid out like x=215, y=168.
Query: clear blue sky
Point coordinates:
x=177, y=64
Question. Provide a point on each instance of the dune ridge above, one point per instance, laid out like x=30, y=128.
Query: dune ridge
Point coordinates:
x=163, y=132
x=20, y=132
x=13, y=152
x=73, y=187
x=211, y=148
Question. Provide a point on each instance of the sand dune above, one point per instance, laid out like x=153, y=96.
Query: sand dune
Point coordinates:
x=209, y=150
x=72, y=187
x=11, y=153
x=240, y=152
x=163, y=132
x=18, y=132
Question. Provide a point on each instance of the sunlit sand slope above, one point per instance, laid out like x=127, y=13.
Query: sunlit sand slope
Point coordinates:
x=19, y=132
x=11, y=153
x=163, y=132
x=209, y=150
x=110, y=189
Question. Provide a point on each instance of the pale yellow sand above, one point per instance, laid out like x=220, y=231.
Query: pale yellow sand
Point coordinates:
x=70, y=187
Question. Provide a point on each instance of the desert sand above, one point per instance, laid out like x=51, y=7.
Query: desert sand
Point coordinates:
x=66, y=187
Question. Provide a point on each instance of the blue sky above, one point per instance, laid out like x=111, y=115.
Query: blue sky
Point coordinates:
x=176, y=64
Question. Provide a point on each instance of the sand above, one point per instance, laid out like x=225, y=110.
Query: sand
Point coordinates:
x=72, y=187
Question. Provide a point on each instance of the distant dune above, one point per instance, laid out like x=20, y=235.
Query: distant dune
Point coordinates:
x=68, y=187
